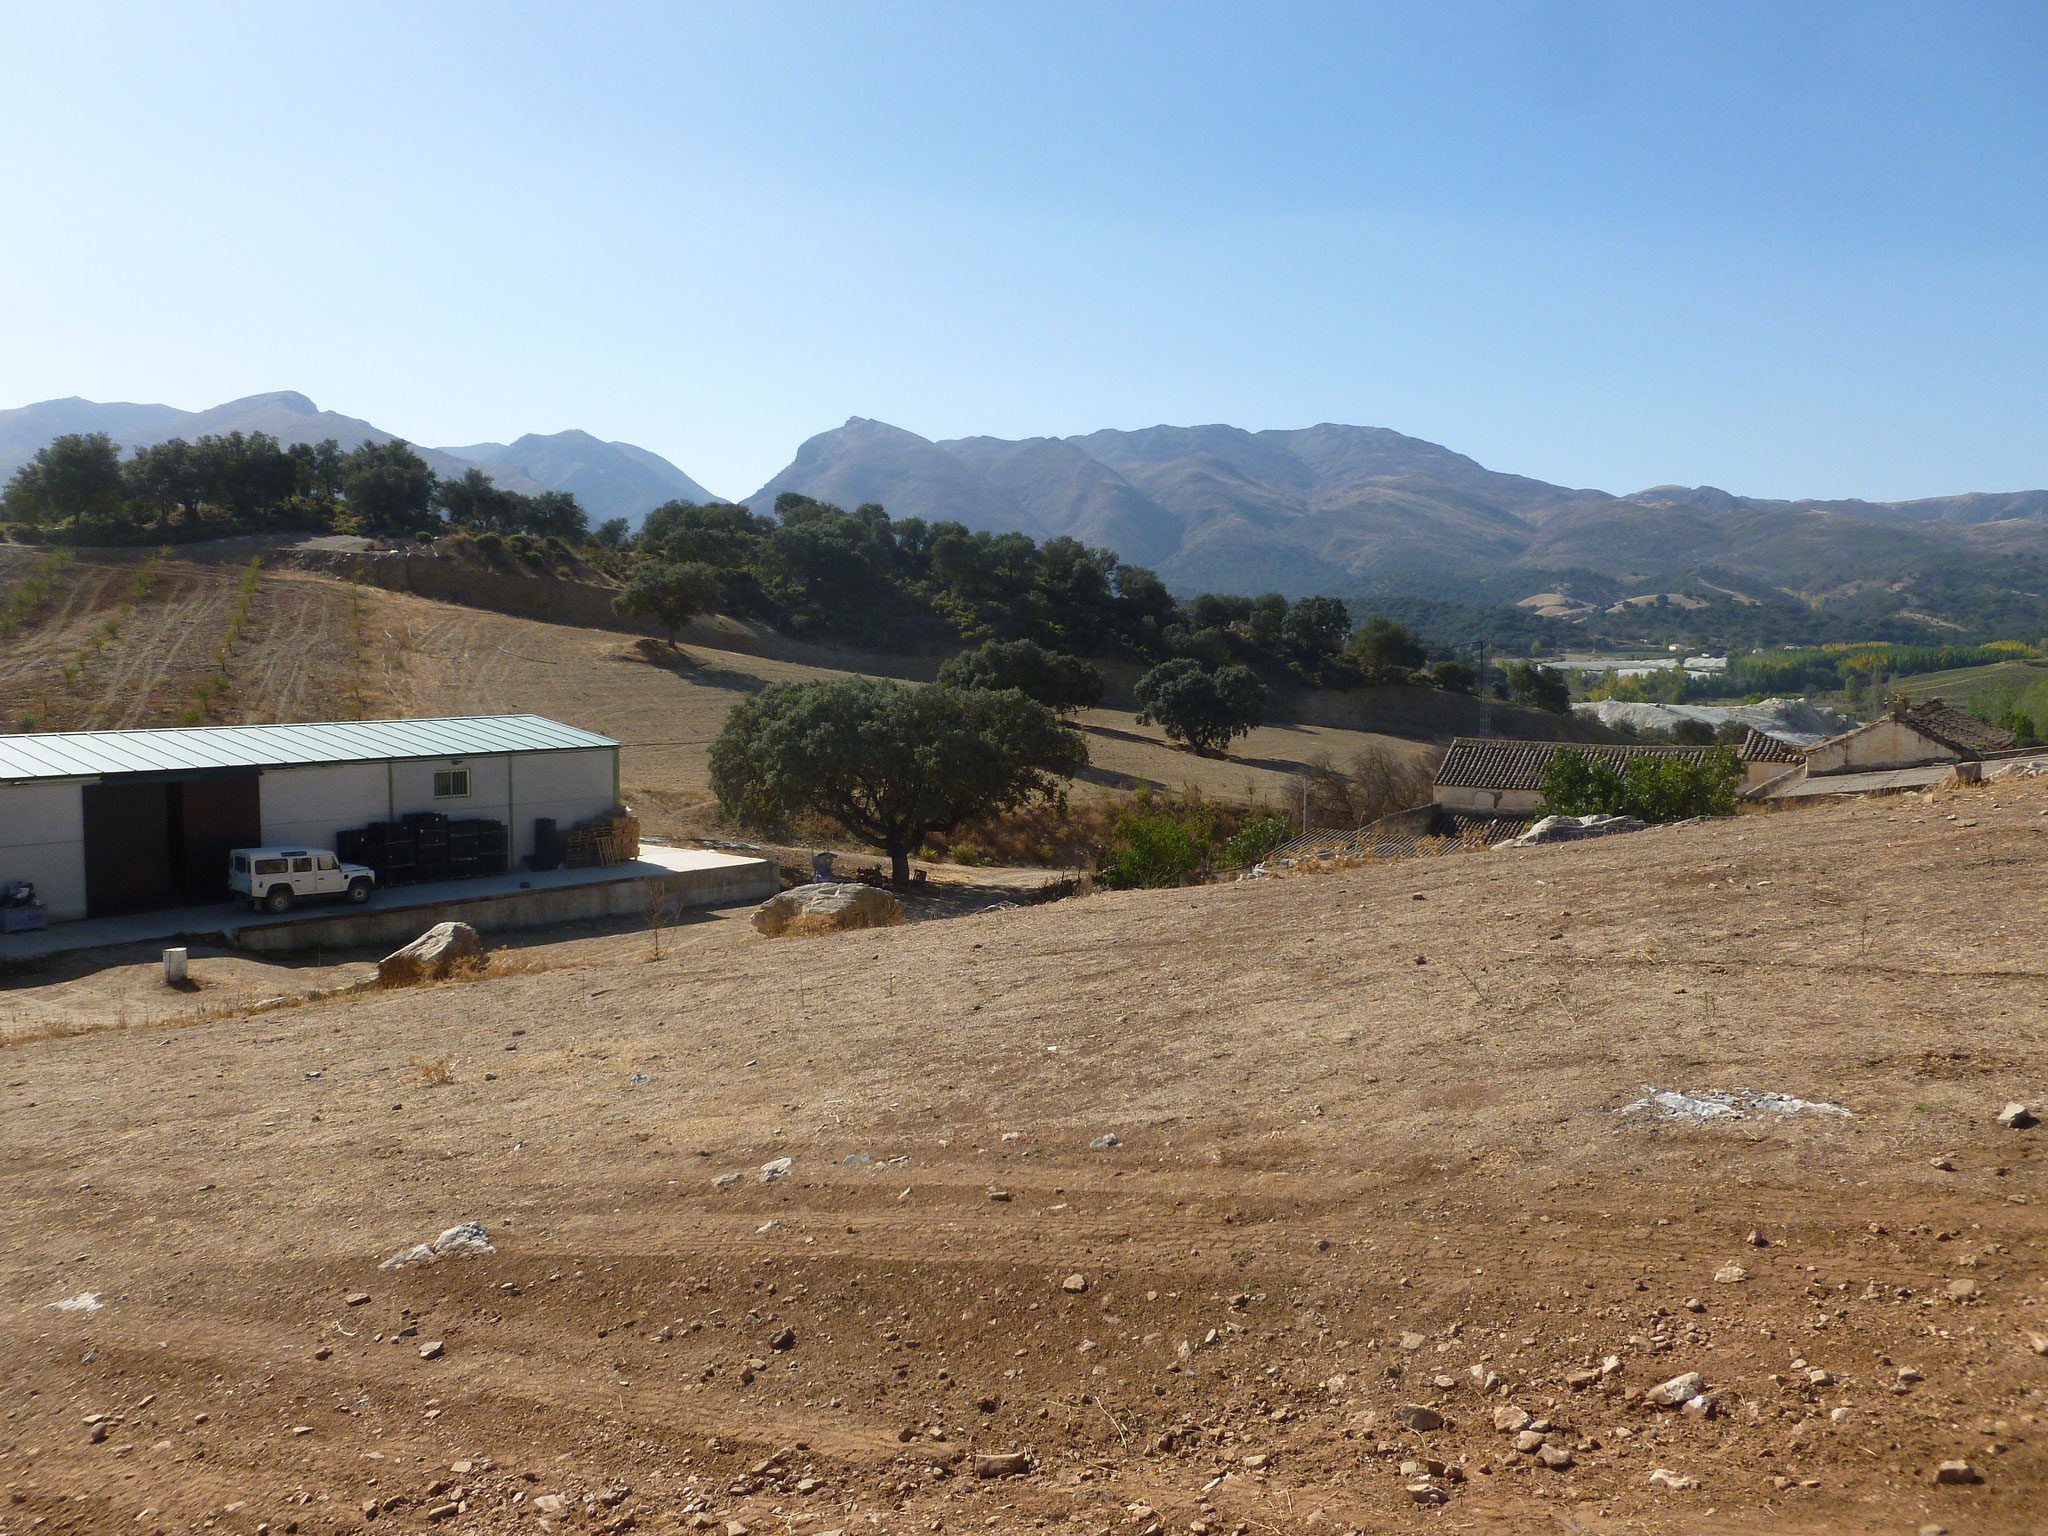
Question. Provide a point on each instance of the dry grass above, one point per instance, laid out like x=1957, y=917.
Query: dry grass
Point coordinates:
x=437, y=1073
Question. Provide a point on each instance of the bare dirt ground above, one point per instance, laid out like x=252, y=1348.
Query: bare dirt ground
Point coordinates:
x=1372, y=1155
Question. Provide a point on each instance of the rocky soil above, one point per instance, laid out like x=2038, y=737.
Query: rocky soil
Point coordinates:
x=1328, y=1203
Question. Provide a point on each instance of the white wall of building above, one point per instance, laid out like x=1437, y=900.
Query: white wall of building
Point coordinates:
x=309, y=805
x=569, y=786
x=1881, y=744
x=1460, y=797
x=42, y=839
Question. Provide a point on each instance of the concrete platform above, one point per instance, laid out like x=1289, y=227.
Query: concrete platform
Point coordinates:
x=671, y=878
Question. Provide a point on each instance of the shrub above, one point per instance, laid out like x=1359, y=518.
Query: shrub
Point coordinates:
x=1255, y=839
x=1152, y=848
x=1649, y=788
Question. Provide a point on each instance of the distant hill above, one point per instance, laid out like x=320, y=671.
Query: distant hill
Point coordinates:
x=1358, y=510
x=609, y=479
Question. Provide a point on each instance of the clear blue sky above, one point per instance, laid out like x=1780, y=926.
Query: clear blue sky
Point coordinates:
x=1786, y=249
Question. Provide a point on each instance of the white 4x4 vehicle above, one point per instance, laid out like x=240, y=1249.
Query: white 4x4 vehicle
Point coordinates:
x=273, y=878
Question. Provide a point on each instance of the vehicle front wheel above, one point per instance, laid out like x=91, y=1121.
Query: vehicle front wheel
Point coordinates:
x=279, y=899
x=359, y=891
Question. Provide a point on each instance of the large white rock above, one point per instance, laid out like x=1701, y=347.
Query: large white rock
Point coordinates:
x=431, y=956
x=827, y=909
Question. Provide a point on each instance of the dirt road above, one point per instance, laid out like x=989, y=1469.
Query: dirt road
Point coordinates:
x=1373, y=1166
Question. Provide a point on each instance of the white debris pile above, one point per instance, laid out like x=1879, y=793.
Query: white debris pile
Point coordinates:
x=1723, y=1104
x=467, y=1238
x=1569, y=829
x=1793, y=721
x=84, y=1301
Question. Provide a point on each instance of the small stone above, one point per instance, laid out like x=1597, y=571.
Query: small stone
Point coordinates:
x=1579, y=1380
x=1427, y=1493
x=1257, y=1461
x=1002, y=1464
x=1418, y=1417
x=1528, y=1442
x=1819, y=1378
x=1074, y=1285
x=1443, y=1383
x=431, y=1350
x=1610, y=1365
x=1555, y=1457
x=2015, y=1117
x=1756, y=1239
x=1953, y=1472
x=1410, y=1342
x=1105, y=1141
x=1942, y=1163
x=1933, y=1530
x=1698, y=1407
x=1910, y=1373
x=1694, y=1304
x=302, y=1429
x=355, y=1298
x=551, y=1503
x=1510, y=1420
x=783, y=1338
x=324, y=1352
x=1663, y=1477
x=1839, y=1415
x=1962, y=1290
x=735, y=1528
x=1730, y=1274
x=1678, y=1390
x=725, y=1181
x=778, y=1169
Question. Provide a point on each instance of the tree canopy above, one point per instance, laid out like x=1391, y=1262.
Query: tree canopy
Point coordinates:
x=671, y=593
x=889, y=762
x=1536, y=687
x=1063, y=684
x=1205, y=709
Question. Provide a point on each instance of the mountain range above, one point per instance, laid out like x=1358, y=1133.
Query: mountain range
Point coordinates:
x=1355, y=511
x=1329, y=508
x=609, y=479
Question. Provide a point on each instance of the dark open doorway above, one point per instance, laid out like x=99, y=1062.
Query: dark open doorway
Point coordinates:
x=162, y=843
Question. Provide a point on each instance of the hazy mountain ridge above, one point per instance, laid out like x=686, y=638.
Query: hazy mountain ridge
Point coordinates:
x=1302, y=510
x=609, y=479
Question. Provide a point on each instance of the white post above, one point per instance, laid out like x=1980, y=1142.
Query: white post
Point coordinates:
x=174, y=966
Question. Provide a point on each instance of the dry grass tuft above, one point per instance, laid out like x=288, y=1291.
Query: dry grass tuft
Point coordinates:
x=437, y=1073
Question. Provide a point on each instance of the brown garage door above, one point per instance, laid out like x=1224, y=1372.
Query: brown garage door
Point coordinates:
x=127, y=848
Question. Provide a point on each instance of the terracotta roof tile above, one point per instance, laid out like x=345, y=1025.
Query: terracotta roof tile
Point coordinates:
x=1757, y=747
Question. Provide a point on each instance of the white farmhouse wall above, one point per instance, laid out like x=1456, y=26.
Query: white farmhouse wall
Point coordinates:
x=309, y=805
x=412, y=785
x=569, y=786
x=1459, y=797
x=42, y=839
x=1880, y=744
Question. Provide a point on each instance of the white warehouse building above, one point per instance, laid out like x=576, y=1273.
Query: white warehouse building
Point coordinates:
x=106, y=822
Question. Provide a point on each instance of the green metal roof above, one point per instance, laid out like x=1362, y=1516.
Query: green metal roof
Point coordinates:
x=202, y=749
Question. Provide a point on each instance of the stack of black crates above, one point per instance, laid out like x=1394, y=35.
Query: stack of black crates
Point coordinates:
x=427, y=846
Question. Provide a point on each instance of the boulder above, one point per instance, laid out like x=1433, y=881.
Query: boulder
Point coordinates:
x=1569, y=829
x=827, y=908
x=431, y=956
